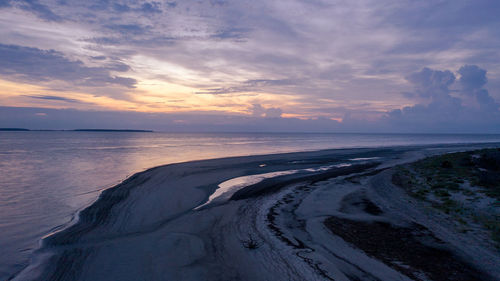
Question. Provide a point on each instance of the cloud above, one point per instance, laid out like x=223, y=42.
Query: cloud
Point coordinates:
x=231, y=33
x=271, y=82
x=472, y=77
x=429, y=83
x=171, y=4
x=56, y=98
x=151, y=7
x=318, y=57
x=34, y=65
x=145, y=7
x=486, y=102
x=35, y=7
x=128, y=29
x=472, y=80
x=408, y=120
x=228, y=91
x=26, y=117
x=258, y=110
x=273, y=112
x=98, y=57
x=4, y=3
x=249, y=86
x=443, y=111
x=121, y=8
x=117, y=66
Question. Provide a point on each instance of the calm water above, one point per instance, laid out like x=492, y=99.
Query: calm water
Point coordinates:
x=46, y=177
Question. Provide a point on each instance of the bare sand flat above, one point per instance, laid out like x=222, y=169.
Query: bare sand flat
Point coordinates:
x=325, y=215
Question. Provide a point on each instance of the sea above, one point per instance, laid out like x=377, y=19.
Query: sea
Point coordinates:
x=46, y=177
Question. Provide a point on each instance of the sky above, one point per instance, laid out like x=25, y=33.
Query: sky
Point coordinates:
x=273, y=66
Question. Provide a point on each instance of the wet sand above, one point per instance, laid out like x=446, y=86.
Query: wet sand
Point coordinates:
x=156, y=225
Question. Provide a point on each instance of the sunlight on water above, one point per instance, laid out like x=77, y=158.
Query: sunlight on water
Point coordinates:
x=226, y=189
x=229, y=187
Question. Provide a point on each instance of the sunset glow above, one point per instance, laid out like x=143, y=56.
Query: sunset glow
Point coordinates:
x=327, y=60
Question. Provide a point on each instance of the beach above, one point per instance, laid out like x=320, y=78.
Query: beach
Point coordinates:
x=292, y=216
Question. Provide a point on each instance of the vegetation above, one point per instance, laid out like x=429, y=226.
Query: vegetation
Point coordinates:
x=250, y=243
x=454, y=183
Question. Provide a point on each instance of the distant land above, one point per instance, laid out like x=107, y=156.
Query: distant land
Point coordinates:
x=112, y=130
x=80, y=130
x=13, y=129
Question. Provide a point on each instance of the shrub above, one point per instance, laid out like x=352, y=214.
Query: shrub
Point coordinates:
x=446, y=164
x=250, y=243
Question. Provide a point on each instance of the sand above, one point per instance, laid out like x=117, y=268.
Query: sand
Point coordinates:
x=273, y=219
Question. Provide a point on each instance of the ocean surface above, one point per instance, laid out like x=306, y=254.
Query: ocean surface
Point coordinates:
x=47, y=177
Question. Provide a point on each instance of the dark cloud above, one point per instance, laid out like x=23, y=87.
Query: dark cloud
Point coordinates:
x=472, y=80
x=171, y=4
x=221, y=91
x=218, y=2
x=141, y=40
x=35, y=7
x=273, y=112
x=448, y=16
x=97, y=5
x=486, y=102
x=129, y=29
x=4, y=3
x=98, y=57
x=431, y=83
x=118, y=66
x=53, y=98
x=255, y=85
x=472, y=77
x=123, y=81
x=151, y=7
x=32, y=64
x=258, y=110
x=104, y=41
x=443, y=111
x=121, y=8
x=272, y=82
x=231, y=33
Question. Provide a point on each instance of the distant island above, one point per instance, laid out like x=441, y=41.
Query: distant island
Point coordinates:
x=13, y=129
x=112, y=130
x=82, y=130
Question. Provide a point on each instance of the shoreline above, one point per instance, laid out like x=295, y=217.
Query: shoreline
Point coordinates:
x=102, y=222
